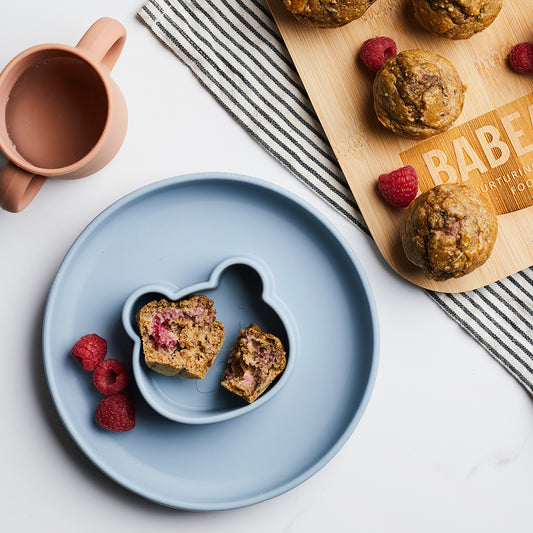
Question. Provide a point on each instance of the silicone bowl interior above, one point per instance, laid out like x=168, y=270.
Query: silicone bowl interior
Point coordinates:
x=242, y=289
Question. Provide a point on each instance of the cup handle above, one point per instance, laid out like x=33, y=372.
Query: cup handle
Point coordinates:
x=104, y=41
x=18, y=187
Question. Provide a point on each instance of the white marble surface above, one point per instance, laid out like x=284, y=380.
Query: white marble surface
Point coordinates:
x=446, y=443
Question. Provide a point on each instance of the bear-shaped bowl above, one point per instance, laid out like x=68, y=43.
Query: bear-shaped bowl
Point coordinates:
x=243, y=291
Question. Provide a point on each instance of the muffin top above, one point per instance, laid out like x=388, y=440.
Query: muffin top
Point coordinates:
x=456, y=19
x=449, y=231
x=327, y=13
x=418, y=94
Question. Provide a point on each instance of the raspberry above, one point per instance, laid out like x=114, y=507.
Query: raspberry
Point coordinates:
x=400, y=186
x=374, y=52
x=116, y=412
x=521, y=58
x=110, y=376
x=89, y=350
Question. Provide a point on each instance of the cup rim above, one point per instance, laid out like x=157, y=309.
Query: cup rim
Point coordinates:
x=12, y=154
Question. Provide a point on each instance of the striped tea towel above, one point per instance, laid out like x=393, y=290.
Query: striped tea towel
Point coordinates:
x=235, y=50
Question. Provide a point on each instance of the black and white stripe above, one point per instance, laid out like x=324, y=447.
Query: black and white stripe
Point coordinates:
x=234, y=48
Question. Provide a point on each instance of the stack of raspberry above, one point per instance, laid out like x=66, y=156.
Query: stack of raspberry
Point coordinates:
x=115, y=411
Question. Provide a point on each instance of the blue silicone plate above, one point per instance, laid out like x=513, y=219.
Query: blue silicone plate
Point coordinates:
x=176, y=230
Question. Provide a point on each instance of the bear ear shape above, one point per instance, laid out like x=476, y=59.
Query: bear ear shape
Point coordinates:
x=239, y=292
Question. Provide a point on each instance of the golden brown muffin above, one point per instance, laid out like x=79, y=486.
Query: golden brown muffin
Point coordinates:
x=180, y=337
x=449, y=231
x=418, y=94
x=254, y=362
x=328, y=13
x=456, y=19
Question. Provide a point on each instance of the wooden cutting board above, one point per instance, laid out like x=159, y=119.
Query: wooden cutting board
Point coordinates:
x=490, y=146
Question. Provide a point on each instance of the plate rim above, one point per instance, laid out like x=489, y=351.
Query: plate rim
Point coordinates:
x=95, y=458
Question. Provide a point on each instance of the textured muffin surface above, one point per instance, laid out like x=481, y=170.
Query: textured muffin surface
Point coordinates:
x=418, y=94
x=456, y=19
x=449, y=231
x=328, y=13
x=255, y=360
x=181, y=337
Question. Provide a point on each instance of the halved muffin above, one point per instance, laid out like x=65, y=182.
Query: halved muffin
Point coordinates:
x=254, y=362
x=181, y=337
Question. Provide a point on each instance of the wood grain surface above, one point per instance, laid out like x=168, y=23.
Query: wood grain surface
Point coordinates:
x=490, y=146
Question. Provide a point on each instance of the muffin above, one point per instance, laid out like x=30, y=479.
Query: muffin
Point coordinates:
x=180, y=337
x=456, y=19
x=255, y=360
x=449, y=231
x=327, y=13
x=418, y=94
